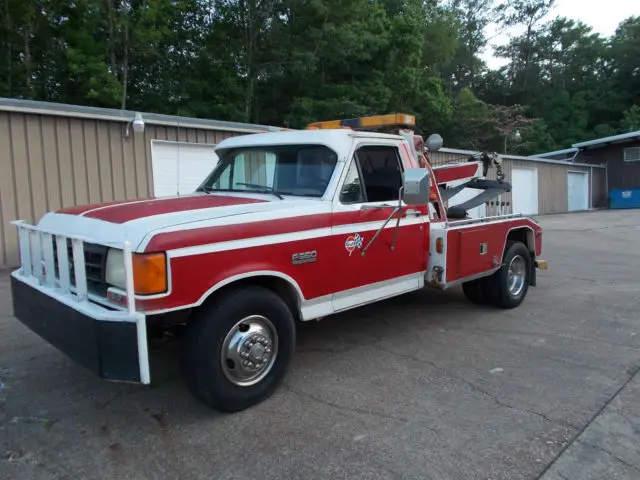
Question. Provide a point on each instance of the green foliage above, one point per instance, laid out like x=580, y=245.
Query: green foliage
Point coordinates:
x=290, y=62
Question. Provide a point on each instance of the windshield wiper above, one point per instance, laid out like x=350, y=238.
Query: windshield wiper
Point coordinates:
x=261, y=188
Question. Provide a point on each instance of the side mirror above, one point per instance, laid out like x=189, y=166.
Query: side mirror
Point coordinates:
x=417, y=186
x=434, y=142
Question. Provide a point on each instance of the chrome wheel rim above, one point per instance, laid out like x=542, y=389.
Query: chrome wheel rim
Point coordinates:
x=249, y=351
x=516, y=276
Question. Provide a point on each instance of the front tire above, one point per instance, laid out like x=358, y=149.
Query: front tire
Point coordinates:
x=238, y=348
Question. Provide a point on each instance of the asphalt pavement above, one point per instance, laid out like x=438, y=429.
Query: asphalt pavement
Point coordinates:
x=424, y=386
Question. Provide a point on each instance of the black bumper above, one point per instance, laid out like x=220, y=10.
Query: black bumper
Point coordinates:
x=107, y=348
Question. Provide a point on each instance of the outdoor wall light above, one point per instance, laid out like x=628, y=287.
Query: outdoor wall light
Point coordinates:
x=137, y=123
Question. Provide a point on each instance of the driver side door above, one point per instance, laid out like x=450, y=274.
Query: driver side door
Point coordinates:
x=394, y=262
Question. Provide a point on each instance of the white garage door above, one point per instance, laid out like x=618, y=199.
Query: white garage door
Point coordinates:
x=577, y=191
x=524, y=191
x=179, y=168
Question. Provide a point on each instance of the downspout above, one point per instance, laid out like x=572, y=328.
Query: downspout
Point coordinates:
x=606, y=181
x=575, y=154
x=591, y=191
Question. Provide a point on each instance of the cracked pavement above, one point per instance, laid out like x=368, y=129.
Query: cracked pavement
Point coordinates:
x=424, y=386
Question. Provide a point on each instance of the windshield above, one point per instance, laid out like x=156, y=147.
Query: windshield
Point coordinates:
x=303, y=170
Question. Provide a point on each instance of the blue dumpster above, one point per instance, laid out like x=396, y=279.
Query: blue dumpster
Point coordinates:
x=624, y=198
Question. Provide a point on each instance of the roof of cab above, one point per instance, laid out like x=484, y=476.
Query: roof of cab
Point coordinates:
x=339, y=139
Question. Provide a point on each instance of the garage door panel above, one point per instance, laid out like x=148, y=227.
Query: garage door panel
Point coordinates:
x=524, y=192
x=577, y=191
x=179, y=168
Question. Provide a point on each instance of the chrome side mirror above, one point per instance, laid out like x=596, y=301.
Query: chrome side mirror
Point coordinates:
x=434, y=142
x=417, y=186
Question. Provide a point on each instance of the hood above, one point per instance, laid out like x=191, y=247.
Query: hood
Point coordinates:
x=123, y=212
x=114, y=222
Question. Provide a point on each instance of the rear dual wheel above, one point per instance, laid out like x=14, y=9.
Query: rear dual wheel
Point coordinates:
x=507, y=287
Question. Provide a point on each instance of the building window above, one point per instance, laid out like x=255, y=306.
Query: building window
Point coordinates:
x=632, y=154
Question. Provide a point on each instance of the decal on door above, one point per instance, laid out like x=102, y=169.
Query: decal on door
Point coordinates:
x=352, y=242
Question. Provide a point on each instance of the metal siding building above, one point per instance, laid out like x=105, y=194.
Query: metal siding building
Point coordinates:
x=552, y=179
x=619, y=153
x=58, y=156
x=622, y=174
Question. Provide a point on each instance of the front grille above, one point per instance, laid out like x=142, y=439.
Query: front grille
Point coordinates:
x=95, y=259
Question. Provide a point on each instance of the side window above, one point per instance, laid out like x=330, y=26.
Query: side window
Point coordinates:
x=381, y=172
x=352, y=188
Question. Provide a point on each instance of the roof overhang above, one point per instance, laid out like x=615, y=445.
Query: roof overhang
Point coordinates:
x=603, y=142
x=114, y=115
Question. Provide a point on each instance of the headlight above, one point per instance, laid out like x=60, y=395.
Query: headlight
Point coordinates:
x=149, y=272
x=115, y=274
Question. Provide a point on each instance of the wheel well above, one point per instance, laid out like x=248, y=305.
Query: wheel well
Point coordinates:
x=524, y=235
x=279, y=286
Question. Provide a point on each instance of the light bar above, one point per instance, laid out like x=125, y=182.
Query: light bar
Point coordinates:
x=401, y=120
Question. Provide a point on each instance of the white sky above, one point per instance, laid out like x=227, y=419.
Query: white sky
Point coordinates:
x=603, y=16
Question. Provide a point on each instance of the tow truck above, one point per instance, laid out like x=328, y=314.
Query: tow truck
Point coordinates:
x=288, y=227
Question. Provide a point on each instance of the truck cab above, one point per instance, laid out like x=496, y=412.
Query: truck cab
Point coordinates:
x=289, y=226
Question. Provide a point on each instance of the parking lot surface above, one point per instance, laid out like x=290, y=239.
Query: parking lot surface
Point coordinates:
x=424, y=386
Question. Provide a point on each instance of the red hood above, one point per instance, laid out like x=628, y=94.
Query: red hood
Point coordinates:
x=122, y=212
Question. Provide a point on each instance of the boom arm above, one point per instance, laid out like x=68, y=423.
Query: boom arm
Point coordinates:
x=472, y=171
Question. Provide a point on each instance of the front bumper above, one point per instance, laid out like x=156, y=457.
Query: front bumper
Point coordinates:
x=110, y=343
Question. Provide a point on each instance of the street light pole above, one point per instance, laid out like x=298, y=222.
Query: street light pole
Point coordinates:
x=516, y=137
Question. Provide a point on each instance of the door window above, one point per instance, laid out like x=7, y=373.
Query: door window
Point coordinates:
x=375, y=175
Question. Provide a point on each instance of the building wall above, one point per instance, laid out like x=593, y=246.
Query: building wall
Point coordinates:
x=49, y=162
x=621, y=174
x=552, y=181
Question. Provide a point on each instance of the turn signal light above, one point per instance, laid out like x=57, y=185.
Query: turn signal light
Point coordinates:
x=149, y=273
x=439, y=245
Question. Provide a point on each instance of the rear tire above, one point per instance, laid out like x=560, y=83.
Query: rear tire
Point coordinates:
x=238, y=348
x=508, y=287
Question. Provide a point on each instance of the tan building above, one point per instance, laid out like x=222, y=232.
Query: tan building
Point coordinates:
x=57, y=155
x=540, y=186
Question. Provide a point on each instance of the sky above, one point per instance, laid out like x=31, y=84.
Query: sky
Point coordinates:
x=604, y=17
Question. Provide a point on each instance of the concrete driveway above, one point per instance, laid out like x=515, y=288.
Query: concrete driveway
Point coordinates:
x=425, y=386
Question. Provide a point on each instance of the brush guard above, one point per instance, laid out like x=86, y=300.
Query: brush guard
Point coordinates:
x=109, y=341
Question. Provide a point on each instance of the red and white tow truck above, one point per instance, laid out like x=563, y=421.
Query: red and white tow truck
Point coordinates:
x=289, y=226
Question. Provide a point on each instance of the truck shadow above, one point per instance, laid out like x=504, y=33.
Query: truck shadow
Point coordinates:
x=416, y=311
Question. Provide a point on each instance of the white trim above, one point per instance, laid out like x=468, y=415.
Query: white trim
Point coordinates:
x=123, y=204
x=289, y=237
x=357, y=297
x=230, y=280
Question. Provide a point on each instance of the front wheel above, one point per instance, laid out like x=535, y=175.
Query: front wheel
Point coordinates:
x=238, y=348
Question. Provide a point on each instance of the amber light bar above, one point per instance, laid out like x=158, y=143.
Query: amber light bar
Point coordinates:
x=400, y=120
